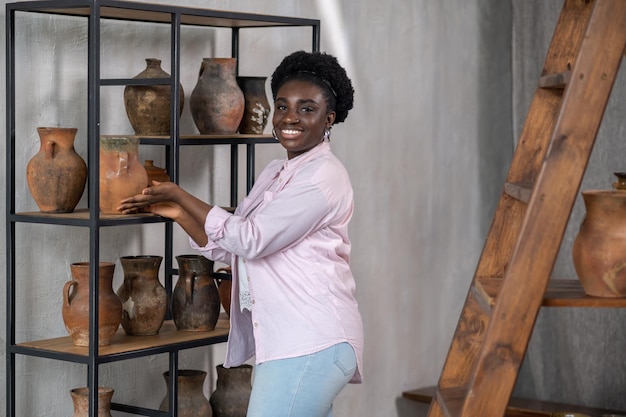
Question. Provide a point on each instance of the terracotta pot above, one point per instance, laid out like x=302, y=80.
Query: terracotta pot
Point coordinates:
x=148, y=106
x=56, y=175
x=257, y=107
x=80, y=397
x=76, y=304
x=191, y=399
x=217, y=102
x=224, y=287
x=232, y=392
x=195, y=299
x=121, y=173
x=144, y=299
x=155, y=173
x=598, y=250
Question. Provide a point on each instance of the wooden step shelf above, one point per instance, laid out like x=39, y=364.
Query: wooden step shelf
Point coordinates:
x=519, y=407
x=556, y=81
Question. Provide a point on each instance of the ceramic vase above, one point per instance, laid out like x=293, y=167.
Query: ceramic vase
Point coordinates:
x=217, y=102
x=121, y=173
x=149, y=106
x=76, y=304
x=256, y=108
x=195, y=299
x=224, y=287
x=154, y=172
x=80, y=398
x=232, y=391
x=598, y=250
x=191, y=399
x=144, y=299
x=56, y=175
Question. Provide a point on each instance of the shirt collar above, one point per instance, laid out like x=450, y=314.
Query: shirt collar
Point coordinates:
x=312, y=153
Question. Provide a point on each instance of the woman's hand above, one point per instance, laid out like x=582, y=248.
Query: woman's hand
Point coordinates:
x=159, y=199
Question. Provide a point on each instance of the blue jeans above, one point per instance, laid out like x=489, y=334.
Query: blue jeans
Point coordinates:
x=301, y=387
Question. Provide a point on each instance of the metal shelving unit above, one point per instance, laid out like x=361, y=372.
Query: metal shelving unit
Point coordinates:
x=169, y=340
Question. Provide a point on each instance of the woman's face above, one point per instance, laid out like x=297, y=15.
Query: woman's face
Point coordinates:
x=300, y=116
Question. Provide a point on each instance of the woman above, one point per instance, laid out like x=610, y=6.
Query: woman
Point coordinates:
x=287, y=242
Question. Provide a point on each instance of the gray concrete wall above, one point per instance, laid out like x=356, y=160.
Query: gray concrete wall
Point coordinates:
x=427, y=146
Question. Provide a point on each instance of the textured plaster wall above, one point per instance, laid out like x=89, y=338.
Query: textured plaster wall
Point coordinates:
x=427, y=146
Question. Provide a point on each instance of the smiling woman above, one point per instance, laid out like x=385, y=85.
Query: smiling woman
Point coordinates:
x=293, y=294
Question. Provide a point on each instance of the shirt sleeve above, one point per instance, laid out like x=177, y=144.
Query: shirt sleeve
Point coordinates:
x=211, y=250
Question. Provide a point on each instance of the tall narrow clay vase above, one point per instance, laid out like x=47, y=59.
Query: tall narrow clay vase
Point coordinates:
x=195, y=299
x=80, y=397
x=121, y=173
x=217, y=102
x=598, y=251
x=144, y=299
x=76, y=304
x=191, y=399
x=56, y=175
x=148, y=106
x=257, y=107
x=232, y=392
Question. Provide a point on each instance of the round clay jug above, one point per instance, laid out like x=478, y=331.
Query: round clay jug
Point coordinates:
x=56, y=175
x=80, y=397
x=232, y=391
x=76, y=304
x=224, y=287
x=217, y=102
x=191, y=399
x=148, y=106
x=144, y=299
x=598, y=250
x=121, y=173
x=257, y=107
x=155, y=173
x=195, y=299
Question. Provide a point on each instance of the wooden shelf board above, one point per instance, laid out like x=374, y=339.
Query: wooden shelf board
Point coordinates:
x=560, y=293
x=82, y=214
x=518, y=407
x=121, y=343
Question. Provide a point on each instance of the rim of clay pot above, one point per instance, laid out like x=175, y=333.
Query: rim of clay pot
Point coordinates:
x=131, y=257
x=66, y=129
x=244, y=366
x=114, y=142
x=186, y=372
x=613, y=193
x=86, y=264
x=84, y=391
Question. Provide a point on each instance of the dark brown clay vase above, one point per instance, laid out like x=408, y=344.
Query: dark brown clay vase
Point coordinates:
x=155, y=173
x=598, y=250
x=144, y=299
x=56, y=175
x=80, y=398
x=257, y=107
x=76, y=304
x=217, y=102
x=191, y=399
x=121, y=173
x=148, y=106
x=232, y=391
x=195, y=299
x=224, y=287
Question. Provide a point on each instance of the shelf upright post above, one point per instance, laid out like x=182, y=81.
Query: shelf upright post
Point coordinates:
x=234, y=148
x=93, y=154
x=316, y=36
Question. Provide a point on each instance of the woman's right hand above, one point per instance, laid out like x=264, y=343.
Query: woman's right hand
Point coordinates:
x=159, y=199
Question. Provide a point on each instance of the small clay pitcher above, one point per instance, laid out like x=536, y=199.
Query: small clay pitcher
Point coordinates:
x=217, y=102
x=144, y=299
x=195, y=299
x=56, y=175
x=80, y=397
x=76, y=304
x=257, y=107
x=121, y=173
x=149, y=106
x=191, y=399
x=155, y=173
x=232, y=392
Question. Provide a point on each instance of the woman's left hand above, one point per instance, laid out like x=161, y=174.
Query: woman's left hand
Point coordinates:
x=158, y=199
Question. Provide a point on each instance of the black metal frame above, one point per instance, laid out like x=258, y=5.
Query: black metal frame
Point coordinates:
x=94, y=11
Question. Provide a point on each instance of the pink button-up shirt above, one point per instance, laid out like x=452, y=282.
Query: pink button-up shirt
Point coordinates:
x=296, y=250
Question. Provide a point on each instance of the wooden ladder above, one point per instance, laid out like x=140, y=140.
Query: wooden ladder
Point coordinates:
x=521, y=247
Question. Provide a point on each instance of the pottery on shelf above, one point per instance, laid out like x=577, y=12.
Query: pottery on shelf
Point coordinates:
x=144, y=299
x=56, y=175
x=191, y=399
x=80, y=398
x=195, y=298
x=76, y=304
x=149, y=106
x=224, y=287
x=155, y=173
x=232, y=391
x=217, y=102
x=121, y=173
x=256, y=108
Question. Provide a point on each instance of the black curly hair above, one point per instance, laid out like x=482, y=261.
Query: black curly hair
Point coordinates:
x=324, y=71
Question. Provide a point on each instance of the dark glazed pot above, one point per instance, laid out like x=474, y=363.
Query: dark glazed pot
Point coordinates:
x=257, y=107
x=232, y=392
x=191, y=399
x=80, y=397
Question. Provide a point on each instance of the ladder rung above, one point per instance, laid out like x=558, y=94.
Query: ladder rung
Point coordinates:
x=451, y=400
x=519, y=190
x=558, y=80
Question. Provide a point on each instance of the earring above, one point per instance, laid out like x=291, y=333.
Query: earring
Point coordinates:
x=274, y=134
x=327, y=135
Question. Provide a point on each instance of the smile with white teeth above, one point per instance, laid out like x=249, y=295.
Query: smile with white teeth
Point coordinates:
x=290, y=132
